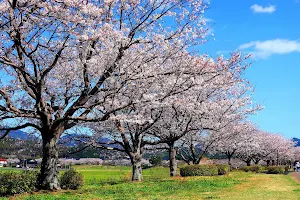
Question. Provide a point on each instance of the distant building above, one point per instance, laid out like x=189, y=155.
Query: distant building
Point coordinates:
x=3, y=162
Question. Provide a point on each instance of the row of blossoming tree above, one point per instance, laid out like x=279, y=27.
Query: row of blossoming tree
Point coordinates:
x=129, y=70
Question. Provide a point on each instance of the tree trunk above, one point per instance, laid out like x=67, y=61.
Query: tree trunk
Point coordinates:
x=268, y=163
x=256, y=162
x=197, y=162
x=229, y=163
x=136, y=162
x=172, y=159
x=277, y=158
x=48, y=178
x=248, y=162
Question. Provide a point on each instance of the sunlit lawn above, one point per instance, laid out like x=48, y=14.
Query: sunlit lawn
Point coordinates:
x=103, y=182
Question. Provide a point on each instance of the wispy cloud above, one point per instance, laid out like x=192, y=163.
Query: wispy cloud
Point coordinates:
x=264, y=49
x=260, y=9
x=208, y=19
x=221, y=52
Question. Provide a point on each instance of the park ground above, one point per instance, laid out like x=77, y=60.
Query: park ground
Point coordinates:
x=107, y=182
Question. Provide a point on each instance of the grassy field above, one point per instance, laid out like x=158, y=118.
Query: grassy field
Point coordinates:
x=114, y=183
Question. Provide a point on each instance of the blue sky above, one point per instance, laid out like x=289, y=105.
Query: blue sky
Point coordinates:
x=270, y=30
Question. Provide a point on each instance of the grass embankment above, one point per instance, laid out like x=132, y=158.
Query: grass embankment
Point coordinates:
x=114, y=183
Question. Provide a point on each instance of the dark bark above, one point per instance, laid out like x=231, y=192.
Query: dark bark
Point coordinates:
x=48, y=178
x=248, y=162
x=256, y=162
x=197, y=162
x=229, y=163
x=172, y=159
x=268, y=163
x=136, y=161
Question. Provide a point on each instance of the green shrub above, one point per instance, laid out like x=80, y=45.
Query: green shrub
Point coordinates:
x=275, y=170
x=223, y=169
x=199, y=170
x=12, y=183
x=255, y=168
x=71, y=180
x=155, y=160
x=146, y=166
x=246, y=168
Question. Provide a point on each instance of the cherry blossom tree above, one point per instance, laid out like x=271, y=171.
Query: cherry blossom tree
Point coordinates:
x=249, y=150
x=178, y=114
x=173, y=125
x=275, y=147
x=70, y=62
x=230, y=105
x=239, y=134
x=132, y=129
x=220, y=86
x=260, y=145
x=295, y=154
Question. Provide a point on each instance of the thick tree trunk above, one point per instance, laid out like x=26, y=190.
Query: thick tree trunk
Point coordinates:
x=136, y=162
x=172, y=159
x=48, y=178
x=268, y=163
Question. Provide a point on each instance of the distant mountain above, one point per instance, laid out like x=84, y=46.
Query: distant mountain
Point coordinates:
x=68, y=140
x=17, y=134
x=65, y=140
x=298, y=141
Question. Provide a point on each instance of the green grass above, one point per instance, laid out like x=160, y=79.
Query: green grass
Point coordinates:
x=103, y=182
x=8, y=169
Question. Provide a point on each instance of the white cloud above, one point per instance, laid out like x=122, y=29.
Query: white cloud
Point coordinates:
x=260, y=9
x=264, y=49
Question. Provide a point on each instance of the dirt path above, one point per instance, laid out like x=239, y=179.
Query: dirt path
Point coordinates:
x=296, y=175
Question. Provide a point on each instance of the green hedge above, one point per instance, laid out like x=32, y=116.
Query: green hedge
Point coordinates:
x=256, y=168
x=253, y=168
x=71, y=180
x=12, y=183
x=275, y=170
x=223, y=169
x=199, y=170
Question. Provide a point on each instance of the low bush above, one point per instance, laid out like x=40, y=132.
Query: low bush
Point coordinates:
x=71, y=180
x=246, y=168
x=199, y=170
x=223, y=169
x=275, y=170
x=255, y=168
x=12, y=183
